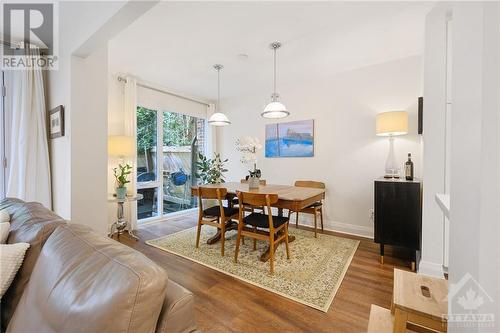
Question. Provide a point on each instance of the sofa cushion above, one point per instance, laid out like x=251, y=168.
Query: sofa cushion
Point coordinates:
x=32, y=223
x=177, y=314
x=85, y=282
x=11, y=259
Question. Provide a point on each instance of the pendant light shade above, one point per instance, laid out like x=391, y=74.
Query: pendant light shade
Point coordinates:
x=218, y=118
x=275, y=109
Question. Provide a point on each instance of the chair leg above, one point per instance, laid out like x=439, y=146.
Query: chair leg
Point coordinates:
x=237, y=245
x=198, y=234
x=321, y=215
x=222, y=237
x=315, y=224
x=297, y=220
x=271, y=253
x=286, y=242
x=254, y=240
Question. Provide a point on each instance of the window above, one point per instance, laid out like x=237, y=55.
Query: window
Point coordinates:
x=167, y=150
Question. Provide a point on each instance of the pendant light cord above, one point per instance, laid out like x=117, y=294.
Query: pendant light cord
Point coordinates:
x=274, y=95
x=218, y=89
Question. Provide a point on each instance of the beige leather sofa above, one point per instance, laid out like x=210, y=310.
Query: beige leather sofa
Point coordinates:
x=74, y=280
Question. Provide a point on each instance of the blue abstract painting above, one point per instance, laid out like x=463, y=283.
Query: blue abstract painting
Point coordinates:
x=292, y=139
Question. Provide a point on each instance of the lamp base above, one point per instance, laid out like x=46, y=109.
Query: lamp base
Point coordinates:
x=396, y=176
x=391, y=166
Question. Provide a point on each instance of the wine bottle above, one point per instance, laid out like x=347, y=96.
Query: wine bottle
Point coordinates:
x=409, y=168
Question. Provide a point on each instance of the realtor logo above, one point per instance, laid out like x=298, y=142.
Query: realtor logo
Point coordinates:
x=29, y=35
x=467, y=298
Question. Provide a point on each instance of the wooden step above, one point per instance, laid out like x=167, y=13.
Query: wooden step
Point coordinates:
x=381, y=320
x=419, y=299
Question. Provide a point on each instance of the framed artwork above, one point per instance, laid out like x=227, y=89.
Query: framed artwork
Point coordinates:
x=56, y=122
x=291, y=139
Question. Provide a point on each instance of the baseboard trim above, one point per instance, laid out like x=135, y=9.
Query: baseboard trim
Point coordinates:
x=340, y=227
x=430, y=269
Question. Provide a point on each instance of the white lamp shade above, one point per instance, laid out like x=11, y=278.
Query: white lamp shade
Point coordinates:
x=218, y=119
x=119, y=145
x=392, y=123
x=275, y=110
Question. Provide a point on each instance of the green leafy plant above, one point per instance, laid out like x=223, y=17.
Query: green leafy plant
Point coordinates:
x=210, y=171
x=122, y=173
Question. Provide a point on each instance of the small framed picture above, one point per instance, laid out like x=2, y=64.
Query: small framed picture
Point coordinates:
x=56, y=122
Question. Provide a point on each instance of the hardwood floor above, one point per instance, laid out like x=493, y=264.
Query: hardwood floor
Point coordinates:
x=225, y=304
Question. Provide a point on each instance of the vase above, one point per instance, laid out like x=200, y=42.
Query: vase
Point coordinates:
x=253, y=182
x=121, y=193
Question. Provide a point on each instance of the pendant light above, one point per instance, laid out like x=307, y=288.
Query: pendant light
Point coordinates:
x=275, y=109
x=218, y=118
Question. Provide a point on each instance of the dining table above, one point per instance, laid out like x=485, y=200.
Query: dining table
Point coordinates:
x=291, y=198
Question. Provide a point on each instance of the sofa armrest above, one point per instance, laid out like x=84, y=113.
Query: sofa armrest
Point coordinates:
x=177, y=314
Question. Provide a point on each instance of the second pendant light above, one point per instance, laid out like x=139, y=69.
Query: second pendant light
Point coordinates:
x=275, y=109
x=218, y=118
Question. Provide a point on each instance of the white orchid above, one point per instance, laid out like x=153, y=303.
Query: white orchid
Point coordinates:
x=248, y=146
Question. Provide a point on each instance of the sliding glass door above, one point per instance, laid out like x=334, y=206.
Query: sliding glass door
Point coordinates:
x=148, y=182
x=167, y=150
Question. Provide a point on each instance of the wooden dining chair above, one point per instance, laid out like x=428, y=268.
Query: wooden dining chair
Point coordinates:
x=216, y=216
x=260, y=226
x=313, y=209
x=248, y=208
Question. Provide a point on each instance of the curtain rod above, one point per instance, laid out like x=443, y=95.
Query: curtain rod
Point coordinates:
x=124, y=80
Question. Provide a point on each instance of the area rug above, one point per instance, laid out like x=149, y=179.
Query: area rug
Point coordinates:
x=312, y=276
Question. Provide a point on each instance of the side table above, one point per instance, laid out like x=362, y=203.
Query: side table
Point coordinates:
x=120, y=225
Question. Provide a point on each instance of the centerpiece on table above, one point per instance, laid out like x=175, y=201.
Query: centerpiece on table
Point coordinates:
x=248, y=146
x=121, y=176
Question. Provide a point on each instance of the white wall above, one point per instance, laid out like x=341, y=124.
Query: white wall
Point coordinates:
x=474, y=214
x=89, y=151
x=78, y=20
x=475, y=149
x=434, y=140
x=348, y=156
x=79, y=159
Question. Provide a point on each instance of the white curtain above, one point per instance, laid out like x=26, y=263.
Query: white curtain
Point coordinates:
x=130, y=129
x=28, y=166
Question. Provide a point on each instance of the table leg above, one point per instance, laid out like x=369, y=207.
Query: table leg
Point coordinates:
x=112, y=230
x=400, y=318
x=266, y=255
x=230, y=225
x=132, y=234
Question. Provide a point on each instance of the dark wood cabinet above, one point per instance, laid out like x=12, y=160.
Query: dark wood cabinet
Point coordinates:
x=398, y=215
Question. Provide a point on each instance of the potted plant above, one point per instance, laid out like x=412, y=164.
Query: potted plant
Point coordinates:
x=210, y=171
x=121, y=173
x=248, y=146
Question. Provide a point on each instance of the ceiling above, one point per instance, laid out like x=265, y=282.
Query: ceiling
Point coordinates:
x=175, y=44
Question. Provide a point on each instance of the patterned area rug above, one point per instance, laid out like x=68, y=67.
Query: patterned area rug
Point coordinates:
x=312, y=276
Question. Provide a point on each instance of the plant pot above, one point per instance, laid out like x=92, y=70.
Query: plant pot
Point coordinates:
x=121, y=193
x=253, y=182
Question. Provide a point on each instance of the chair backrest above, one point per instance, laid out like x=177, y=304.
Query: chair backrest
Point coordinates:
x=212, y=192
x=257, y=199
x=218, y=193
x=310, y=183
x=261, y=181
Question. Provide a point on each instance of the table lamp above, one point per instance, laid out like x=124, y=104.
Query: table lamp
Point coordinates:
x=391, y=124
x=120, y=146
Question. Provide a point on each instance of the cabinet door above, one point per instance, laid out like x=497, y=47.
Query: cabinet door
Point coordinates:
x=397, y=214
